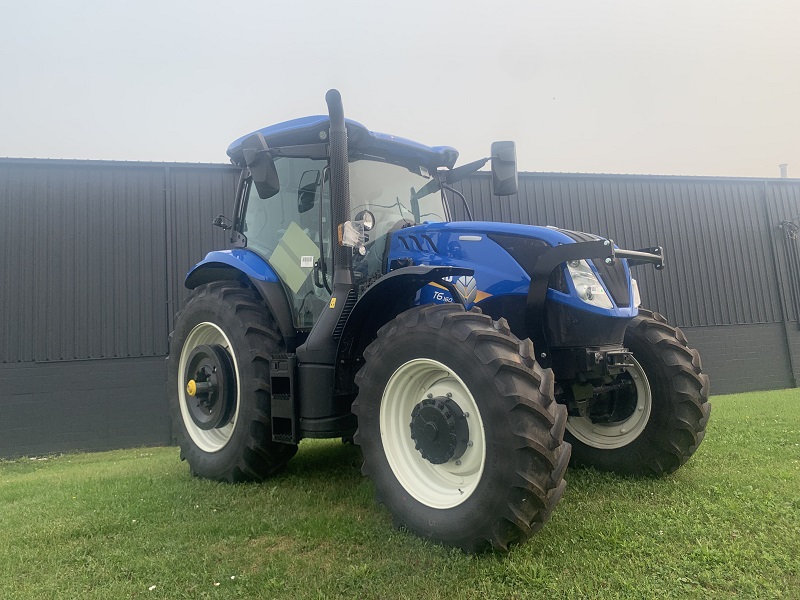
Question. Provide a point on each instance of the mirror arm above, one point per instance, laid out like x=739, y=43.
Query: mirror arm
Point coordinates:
x=463, y=199
x=457, y=174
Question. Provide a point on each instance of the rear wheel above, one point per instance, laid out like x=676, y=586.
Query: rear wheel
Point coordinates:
x=658, y=418
x=218, y=384
x=459, y=429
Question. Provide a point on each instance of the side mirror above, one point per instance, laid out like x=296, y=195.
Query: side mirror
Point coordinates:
x=504, y=169
x=307, y=190
x=262, y=167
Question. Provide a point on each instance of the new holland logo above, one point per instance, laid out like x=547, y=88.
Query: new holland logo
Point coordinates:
x=467, y=287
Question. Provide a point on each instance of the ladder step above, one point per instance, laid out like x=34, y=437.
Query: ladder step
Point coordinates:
x=283, y=382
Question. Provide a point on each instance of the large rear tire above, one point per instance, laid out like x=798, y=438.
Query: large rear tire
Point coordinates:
x=218, y=384
x=669, y=411
x=459, y=430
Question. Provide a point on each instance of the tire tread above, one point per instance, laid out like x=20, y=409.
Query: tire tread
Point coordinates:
x=539, y=453
x=258, y=456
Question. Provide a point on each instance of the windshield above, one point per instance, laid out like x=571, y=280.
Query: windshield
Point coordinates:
x=394, y=193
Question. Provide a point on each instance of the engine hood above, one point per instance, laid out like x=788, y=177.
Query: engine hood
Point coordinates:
x=501, y=254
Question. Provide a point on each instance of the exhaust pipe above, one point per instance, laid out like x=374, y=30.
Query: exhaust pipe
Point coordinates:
x=340, y=186
x=317, y=356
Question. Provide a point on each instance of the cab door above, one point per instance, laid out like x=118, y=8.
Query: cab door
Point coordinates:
x=287, y=230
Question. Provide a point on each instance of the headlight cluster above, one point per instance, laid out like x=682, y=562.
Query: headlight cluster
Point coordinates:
x=587, y=285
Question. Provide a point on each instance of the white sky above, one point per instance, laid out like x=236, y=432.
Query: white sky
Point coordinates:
x=677, y=87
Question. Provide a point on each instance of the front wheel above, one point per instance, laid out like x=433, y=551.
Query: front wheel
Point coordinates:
x=658, y=418
x=459, y=429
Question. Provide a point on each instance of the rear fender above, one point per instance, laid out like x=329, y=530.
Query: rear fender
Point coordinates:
x=249, y=268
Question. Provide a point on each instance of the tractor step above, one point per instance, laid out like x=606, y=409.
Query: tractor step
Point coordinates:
x=283, y=386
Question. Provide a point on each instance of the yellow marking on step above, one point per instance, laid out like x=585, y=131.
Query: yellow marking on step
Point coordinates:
x=333, y=303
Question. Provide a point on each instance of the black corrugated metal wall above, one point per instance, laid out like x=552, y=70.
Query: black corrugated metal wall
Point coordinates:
x=94, y=255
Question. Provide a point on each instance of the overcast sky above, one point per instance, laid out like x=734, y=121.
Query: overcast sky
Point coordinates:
x=676, y=87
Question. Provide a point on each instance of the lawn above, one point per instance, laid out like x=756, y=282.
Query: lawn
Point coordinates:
x=134, y=523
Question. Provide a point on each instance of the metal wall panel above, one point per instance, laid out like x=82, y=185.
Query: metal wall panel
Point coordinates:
x=84, y=274
x=196, y=196
x=83, y=405
x=743, y=358
x=783, y=204
x=95, y=253
x=715, y=232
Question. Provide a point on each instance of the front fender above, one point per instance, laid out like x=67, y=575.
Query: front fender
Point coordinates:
x=386, y=299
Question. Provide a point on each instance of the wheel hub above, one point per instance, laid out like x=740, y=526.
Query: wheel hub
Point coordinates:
x=209, y=385
x=620, y=412
x=613, y=403
x=439, y=429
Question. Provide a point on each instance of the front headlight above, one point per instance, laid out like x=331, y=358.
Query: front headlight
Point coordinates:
x=587, y=285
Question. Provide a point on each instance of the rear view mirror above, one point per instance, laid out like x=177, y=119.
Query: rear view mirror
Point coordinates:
x=504, y=168
x=307, y=190
x=262, y=167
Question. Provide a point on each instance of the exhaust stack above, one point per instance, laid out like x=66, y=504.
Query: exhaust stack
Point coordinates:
x=340, y=186
x=317, y=356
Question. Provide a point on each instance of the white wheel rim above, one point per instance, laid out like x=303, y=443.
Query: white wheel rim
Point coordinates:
x=208, y=440
x=608, y=436
x=438, y=486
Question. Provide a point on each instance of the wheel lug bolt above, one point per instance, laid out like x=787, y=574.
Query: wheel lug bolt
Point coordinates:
x=458, y=463
x=430, y=395
x=469, y=444
x=449, y=395
x=466, y=415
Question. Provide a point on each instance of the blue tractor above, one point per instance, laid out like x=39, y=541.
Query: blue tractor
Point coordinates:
x=468, y=360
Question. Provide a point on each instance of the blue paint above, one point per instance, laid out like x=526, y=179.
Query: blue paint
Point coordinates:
x=306, y=131
x=466, y=244
x=287, y=127
x=241, y=259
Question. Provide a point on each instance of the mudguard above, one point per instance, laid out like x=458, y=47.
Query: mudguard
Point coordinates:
x=245, y=265
x=386, y=299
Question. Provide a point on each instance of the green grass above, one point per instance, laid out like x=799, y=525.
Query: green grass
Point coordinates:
x=111, y=525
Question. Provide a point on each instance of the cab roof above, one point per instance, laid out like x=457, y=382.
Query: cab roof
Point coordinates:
x=314, y=130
